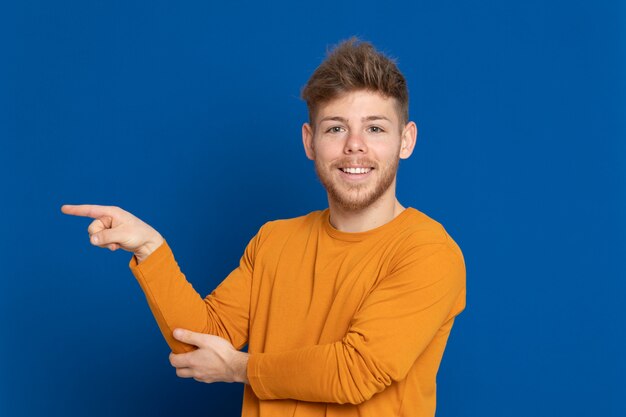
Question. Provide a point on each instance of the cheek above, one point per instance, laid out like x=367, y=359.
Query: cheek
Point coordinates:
x=382, y=153
x=328, y=151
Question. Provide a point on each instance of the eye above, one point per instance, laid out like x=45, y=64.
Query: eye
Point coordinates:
x=335, y=129
x=375, y=129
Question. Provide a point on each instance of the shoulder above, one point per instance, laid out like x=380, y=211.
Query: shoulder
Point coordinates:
x=429, y=254
x=424, y=235
x=423, y=227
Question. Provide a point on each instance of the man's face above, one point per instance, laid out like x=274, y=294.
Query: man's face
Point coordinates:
x=356, y=143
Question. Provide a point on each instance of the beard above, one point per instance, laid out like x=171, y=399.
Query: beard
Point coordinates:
x=355, y=197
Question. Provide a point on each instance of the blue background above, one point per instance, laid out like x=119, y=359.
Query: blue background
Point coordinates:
x=187, y=114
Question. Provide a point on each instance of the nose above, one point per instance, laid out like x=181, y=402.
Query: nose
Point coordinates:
x=355, y=144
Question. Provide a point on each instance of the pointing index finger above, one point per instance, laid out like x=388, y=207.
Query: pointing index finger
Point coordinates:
x=88, y=210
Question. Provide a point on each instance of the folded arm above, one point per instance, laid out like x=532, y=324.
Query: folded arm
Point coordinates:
x=395, y=324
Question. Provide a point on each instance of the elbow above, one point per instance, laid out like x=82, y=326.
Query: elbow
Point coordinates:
x=356, y=400
x=357, y=394
x=371, y=385
x=360, y=376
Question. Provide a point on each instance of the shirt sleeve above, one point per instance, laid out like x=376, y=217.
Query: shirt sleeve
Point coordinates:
x=394, y=325
x=176, y=304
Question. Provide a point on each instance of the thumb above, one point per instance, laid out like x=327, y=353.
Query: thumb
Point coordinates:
x=112, y=238
x=189, y=337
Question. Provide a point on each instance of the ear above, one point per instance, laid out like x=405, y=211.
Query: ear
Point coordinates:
x=307, y=141
x=409, y=137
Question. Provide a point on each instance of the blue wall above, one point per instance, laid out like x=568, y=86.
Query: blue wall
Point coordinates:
x=187, y=114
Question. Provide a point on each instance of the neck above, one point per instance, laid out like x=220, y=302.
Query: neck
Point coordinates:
x=382, y=211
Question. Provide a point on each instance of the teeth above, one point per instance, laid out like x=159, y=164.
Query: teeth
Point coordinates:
x=356, y=170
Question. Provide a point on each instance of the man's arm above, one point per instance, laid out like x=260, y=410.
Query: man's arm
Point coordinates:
x=395, y=324
x=171, y=298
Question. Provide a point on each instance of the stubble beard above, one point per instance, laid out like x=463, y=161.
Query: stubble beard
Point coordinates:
x=355, y=197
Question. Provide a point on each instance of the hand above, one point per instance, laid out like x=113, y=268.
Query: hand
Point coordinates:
x=115, y=228
x=215, y=360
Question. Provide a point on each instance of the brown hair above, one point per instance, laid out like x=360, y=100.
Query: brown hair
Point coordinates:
x=355, y=65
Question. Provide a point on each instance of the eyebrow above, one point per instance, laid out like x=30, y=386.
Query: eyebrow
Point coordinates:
x=364, y=119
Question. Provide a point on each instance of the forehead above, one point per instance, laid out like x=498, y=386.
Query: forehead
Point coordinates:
x=359, y=104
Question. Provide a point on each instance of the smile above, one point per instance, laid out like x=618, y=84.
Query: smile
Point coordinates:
x=356, y=170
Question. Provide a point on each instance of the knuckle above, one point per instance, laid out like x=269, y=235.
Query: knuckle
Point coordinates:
x=93, y=227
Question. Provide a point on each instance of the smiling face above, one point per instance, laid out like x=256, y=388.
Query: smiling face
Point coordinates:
x=356, y=142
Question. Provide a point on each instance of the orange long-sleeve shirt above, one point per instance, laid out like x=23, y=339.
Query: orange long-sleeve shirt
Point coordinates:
x=337, y=324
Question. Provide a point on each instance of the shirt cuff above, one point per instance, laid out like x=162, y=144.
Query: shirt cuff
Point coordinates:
x=154, y=262
x=254, y=377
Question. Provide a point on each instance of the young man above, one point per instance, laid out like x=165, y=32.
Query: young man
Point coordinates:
x=345, y=311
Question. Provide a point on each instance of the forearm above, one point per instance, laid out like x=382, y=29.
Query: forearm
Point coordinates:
x=172, y=299
x=333, y=373
x=175, y=303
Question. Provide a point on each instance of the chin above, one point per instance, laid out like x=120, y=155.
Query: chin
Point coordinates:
x=350, y=202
